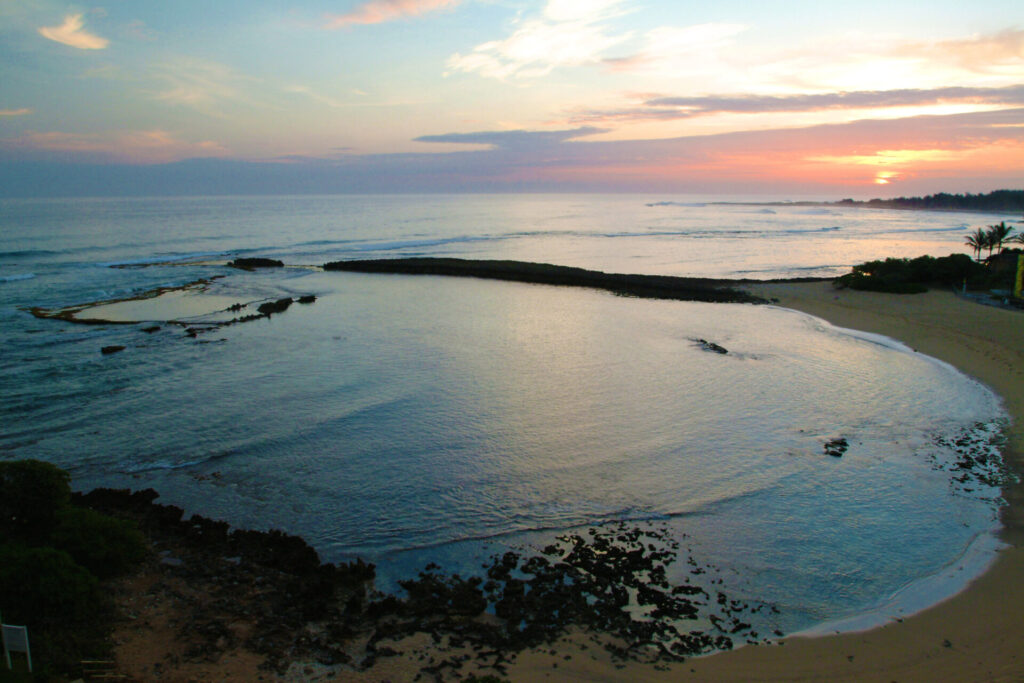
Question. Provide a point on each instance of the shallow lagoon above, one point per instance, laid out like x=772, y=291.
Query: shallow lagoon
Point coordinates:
x=417, y=419
x=411, y=419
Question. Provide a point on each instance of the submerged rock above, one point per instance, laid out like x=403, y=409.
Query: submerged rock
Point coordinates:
x=114, y=348
x=307, y=299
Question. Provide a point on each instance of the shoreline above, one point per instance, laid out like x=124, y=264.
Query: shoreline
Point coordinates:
x=973, y=635
x=978, y=341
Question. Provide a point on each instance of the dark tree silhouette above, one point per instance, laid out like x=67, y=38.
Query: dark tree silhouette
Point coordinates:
x=997, y=234
x=977, y=241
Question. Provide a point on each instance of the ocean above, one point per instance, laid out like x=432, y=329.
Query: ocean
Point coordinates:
x=413, y=419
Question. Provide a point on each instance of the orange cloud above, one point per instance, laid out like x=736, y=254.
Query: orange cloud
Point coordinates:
x=986, y=54
x=137, y=146
x=71, y=33
x=24, y=111
x=380, y=11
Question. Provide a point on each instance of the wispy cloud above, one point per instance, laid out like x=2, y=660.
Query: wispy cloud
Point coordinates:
x=668, y=108
x=73, y=33
x=206, y=86
x=963, y=146
x=984, y=54
x=380, y=11
x=567, y=33
x=964, y=152
x=518, y=140
x=670, y=48
x=24, y=111
x=130, y=146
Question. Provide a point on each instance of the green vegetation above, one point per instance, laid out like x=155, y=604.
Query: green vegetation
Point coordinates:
x=992, y=239
x=52, y=558
x=911, y=276
x=999, y=200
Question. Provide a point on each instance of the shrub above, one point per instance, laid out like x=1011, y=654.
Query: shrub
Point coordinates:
x=104, y=545
x=910, y=276
x=58, y=600
x=31, y=493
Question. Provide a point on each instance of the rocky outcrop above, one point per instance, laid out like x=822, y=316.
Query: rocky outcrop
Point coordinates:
x=271, y=307
x=712, y=346
x=251, y=263
x=836, y=447
x=268, y=592
x=644, y=286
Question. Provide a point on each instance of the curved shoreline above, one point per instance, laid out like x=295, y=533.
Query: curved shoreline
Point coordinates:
x=975, y=634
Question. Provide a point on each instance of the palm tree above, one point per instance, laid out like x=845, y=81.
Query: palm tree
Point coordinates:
x=977, y=241
x=997, y=234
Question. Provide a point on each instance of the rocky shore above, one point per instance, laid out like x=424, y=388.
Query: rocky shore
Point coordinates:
x=210, y=598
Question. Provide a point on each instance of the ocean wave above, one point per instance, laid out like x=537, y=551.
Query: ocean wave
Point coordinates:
x=419, y=244
x=164, y=465
x=526, y=525
x=163, y=260
x=695, y=205
x=17, y=277
x=22, y=253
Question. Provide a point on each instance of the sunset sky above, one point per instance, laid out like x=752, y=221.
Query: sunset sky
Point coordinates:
x=829, y=98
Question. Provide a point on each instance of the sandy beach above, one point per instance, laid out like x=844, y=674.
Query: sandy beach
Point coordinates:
x=976, y=635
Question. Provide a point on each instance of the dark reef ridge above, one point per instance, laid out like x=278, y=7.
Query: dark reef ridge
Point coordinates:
x=644, y=286
x=254, y=262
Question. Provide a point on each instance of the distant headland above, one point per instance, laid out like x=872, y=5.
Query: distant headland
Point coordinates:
x=998, y=200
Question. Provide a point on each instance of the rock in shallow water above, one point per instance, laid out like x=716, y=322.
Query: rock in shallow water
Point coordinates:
x=836, y=447
x=712, y=346
x=255, y=262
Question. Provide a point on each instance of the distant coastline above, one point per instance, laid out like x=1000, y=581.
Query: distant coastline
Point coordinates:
x=997, y=201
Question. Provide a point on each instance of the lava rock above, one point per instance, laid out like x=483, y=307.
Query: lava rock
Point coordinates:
x=712, y=346
x=255, y=262
x=271, y=307
x=836, y=447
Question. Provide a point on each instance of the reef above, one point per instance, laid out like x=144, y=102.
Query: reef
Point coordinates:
x=251, y=263
x=645, y=286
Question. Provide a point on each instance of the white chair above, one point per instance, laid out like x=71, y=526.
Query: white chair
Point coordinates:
x=15, y=639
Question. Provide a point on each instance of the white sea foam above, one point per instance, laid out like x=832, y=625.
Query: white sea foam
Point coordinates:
x=17, y=278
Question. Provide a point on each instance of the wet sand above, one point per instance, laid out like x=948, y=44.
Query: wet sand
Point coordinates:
x=978, y=634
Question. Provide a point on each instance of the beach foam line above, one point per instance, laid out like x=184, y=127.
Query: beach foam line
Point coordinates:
x=164, y=260
x=921, y=594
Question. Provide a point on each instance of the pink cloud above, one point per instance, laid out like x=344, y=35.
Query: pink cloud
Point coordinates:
x=380, y=11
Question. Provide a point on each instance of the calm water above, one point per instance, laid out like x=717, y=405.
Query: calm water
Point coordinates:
x=407, y=419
